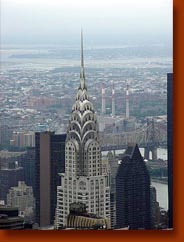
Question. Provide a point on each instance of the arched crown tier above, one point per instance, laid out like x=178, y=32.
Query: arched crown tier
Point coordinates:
x=83, y=122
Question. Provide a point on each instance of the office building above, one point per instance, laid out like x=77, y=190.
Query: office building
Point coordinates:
x=113, y=163
x=155, y=209
x=9, y=177
x=83, y=180
x=5, y=134
x=133, y=191
x=23, y=139
x=27, y=161
x=50, y=158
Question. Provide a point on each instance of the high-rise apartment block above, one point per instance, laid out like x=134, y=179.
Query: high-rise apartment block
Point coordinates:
x=23, y=139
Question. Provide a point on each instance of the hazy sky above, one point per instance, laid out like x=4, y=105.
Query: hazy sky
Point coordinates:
x=103, y=21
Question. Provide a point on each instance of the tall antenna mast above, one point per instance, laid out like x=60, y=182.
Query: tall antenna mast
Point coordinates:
x=82, y=75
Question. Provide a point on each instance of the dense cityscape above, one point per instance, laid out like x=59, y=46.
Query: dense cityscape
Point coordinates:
x=86, y=117
x=46, y=95
x=52, y=172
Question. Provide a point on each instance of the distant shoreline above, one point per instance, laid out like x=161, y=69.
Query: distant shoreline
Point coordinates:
x=159, y=180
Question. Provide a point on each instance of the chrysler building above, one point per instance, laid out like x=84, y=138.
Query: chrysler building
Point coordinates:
x=83, y=180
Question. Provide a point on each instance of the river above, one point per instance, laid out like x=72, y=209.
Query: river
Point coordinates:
x=161, y=189
x=162, y=194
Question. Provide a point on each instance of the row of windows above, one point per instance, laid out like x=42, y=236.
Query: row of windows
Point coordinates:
x=70, y=147
x=95, y=158
x=94, y=165
x=80, y=196
x=70, y=155
x=94, y=173
x=97, y=182
x=94, y=144
x=70, y=166
x=101, y=181
x=69, y=170
x=62, y=212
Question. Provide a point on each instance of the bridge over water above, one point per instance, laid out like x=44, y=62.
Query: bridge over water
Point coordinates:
x=150, y=136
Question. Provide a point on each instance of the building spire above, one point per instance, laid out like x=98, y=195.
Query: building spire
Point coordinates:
x=103, y=100
x=82, y=75
x=127, y=102
x=113, y=100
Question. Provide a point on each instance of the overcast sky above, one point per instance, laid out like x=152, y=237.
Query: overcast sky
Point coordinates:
x=103, y=21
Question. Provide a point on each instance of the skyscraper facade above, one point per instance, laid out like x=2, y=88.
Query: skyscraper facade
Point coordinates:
x=50, y=158
x=83, y=180
x=133, y=207
x=170, y=145
x=155, y=210
x=9, y=177
x=113, y=163
x=27, y=161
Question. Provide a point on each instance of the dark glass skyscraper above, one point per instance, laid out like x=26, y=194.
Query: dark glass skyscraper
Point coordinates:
x=170, y=145
x=9, y=177
x=133, y=191
x=27, y=161
x=50, y=160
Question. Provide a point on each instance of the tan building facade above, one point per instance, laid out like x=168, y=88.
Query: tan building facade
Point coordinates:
x=22, y=198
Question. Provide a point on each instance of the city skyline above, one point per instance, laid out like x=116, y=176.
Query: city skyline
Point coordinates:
x=82, y=96
x=115, y=159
